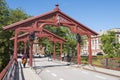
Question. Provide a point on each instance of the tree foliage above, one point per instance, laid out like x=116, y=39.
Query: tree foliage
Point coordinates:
x=110, y=45
x=70, y=45
x=7, y=16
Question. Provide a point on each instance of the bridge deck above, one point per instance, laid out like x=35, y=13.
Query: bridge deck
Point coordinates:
x=57, y=70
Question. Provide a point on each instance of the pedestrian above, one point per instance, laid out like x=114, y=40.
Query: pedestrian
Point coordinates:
x=68, y=58
x=49, y=57
x=24, y=60
x=62, y=56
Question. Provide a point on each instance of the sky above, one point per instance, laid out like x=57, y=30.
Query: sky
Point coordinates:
x=95, y=14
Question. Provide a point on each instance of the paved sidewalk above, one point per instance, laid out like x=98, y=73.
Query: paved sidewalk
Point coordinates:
x=30, y=74
x=103, y=70
x=94, y=68
x=27, y=73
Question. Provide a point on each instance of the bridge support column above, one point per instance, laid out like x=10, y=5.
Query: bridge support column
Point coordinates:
x=61, y=51
x=89, y=50
x=25, y=47
x=54, y=54
x=78, y=53
x=31, y=52
x=15, y=45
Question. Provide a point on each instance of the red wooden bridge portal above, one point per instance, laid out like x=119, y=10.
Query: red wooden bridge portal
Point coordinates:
x=55, y=18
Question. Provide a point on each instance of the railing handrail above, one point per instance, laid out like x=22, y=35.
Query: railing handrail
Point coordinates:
x=113, y=58
x=111, y=63
x=6, y=69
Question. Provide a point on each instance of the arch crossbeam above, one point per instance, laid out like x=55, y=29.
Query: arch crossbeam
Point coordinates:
x=45, y=33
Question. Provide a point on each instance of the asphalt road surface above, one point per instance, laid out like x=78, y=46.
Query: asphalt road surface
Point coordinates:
x=56, y=70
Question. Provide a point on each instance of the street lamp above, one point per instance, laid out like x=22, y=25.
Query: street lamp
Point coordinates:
x=78, y=38
x=32, y=36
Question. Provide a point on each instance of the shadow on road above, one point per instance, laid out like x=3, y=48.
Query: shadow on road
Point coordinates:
x=46, y=66
x=39, y=69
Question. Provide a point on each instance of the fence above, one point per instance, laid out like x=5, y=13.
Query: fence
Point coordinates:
x=110, y=63
x=9, y=71
x=100, y=61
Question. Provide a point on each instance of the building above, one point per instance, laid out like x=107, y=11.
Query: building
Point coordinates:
x=96, y=43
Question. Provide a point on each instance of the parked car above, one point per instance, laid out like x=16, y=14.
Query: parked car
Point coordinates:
x=36, y=56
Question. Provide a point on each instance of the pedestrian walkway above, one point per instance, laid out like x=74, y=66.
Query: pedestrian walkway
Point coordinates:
x=27, y=73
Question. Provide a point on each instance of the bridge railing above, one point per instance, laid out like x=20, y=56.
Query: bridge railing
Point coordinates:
x=110, y=63
x=8, y=72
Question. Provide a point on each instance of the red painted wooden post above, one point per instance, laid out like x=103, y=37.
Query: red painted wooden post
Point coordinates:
x=89, y=50
x=31, y=52
x=54, y=54
x=78, y=53
x=61, y=51
x=15, y=45
x=25, y=47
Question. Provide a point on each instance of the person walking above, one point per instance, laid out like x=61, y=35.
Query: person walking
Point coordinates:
x=68, y=59
x=24, y=60
x=49, y=57
x=62, y=56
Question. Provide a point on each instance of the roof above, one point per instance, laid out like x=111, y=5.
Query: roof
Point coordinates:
x=56, y=10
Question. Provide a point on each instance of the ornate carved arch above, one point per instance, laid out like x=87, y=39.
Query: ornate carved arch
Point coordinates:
x=55, y=18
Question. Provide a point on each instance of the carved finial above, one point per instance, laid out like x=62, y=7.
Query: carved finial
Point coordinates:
x=57, y=7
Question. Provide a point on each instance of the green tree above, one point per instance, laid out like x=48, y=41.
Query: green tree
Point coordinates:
x=4, y=13
x=64, y=32
x=17, y=15
x=110, y=45
x=7, y=16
